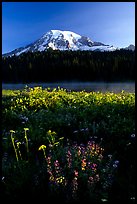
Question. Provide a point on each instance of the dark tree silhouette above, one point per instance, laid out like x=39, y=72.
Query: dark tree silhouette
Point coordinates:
x=50, y=65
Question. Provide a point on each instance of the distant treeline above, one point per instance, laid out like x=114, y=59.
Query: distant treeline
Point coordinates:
x=48, y=66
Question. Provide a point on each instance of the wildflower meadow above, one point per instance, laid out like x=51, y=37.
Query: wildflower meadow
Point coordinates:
x=68, y=146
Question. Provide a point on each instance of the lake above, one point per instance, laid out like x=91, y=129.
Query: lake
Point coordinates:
x=79, y=86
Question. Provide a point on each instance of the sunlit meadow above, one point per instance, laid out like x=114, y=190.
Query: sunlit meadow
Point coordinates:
x=68, y=146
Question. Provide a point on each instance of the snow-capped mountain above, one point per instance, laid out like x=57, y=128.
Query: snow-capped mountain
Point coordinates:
x=62, y=40
x=130, y=47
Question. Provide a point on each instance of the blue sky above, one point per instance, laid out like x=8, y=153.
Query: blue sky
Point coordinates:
x=111, y=23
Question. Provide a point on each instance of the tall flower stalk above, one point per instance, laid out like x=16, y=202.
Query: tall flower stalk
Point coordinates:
x=43, y=147
x=13, y=143
x=18, y=144
x=26, y=138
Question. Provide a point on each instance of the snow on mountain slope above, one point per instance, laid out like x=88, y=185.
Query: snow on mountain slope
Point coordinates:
x=62, y=40
x=68, y=35
x=130, y=47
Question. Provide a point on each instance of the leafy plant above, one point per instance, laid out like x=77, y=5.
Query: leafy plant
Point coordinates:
x=59, y=121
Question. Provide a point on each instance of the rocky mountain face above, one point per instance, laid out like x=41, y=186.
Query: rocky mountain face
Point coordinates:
x=62, y=40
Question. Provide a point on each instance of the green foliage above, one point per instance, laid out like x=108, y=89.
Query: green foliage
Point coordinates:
x=66, y=112
x=64, y=169
x=54, y=117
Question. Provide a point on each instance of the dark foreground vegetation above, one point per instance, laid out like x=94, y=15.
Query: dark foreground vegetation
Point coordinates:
x=49, y=66
x=68, y=146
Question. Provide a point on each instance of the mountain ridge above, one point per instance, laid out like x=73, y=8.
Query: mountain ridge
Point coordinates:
x=62, y=40
x=130, y=47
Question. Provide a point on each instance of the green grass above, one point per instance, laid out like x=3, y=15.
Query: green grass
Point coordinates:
x=77, y=117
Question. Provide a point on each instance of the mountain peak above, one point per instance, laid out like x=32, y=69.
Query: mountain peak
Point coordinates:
x=130, y=47
x=62, y=40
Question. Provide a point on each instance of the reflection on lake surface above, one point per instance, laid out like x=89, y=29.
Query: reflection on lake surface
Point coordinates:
x=79, y=86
